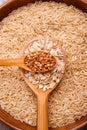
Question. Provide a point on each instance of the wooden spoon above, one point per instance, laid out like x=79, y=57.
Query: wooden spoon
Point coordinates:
x=32, y=61
x=42, y=98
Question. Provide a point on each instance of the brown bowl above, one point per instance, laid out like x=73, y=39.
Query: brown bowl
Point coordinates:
x=5, y=9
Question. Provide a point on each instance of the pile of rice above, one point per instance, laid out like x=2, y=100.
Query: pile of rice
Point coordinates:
x=68, y=26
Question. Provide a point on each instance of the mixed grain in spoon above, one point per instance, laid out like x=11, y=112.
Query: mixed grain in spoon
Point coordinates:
x=48, y=79
x=40, y=61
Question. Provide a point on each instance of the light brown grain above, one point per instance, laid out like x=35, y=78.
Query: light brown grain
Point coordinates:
x=68, y=26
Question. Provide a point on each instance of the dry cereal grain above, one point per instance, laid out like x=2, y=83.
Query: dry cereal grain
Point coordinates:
x=68, y=26
x=39, y=76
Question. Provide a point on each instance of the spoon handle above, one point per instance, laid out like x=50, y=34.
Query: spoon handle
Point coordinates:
x=42, y=112
x=11, y=61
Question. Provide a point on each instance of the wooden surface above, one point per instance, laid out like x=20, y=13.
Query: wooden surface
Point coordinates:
x=4, y=127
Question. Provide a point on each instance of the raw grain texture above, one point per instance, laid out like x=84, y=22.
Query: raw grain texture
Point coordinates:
x=68, y=26
x=40, y=61
x=49, y=79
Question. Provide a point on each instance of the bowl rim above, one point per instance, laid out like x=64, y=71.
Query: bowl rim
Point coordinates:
x=18, y=125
